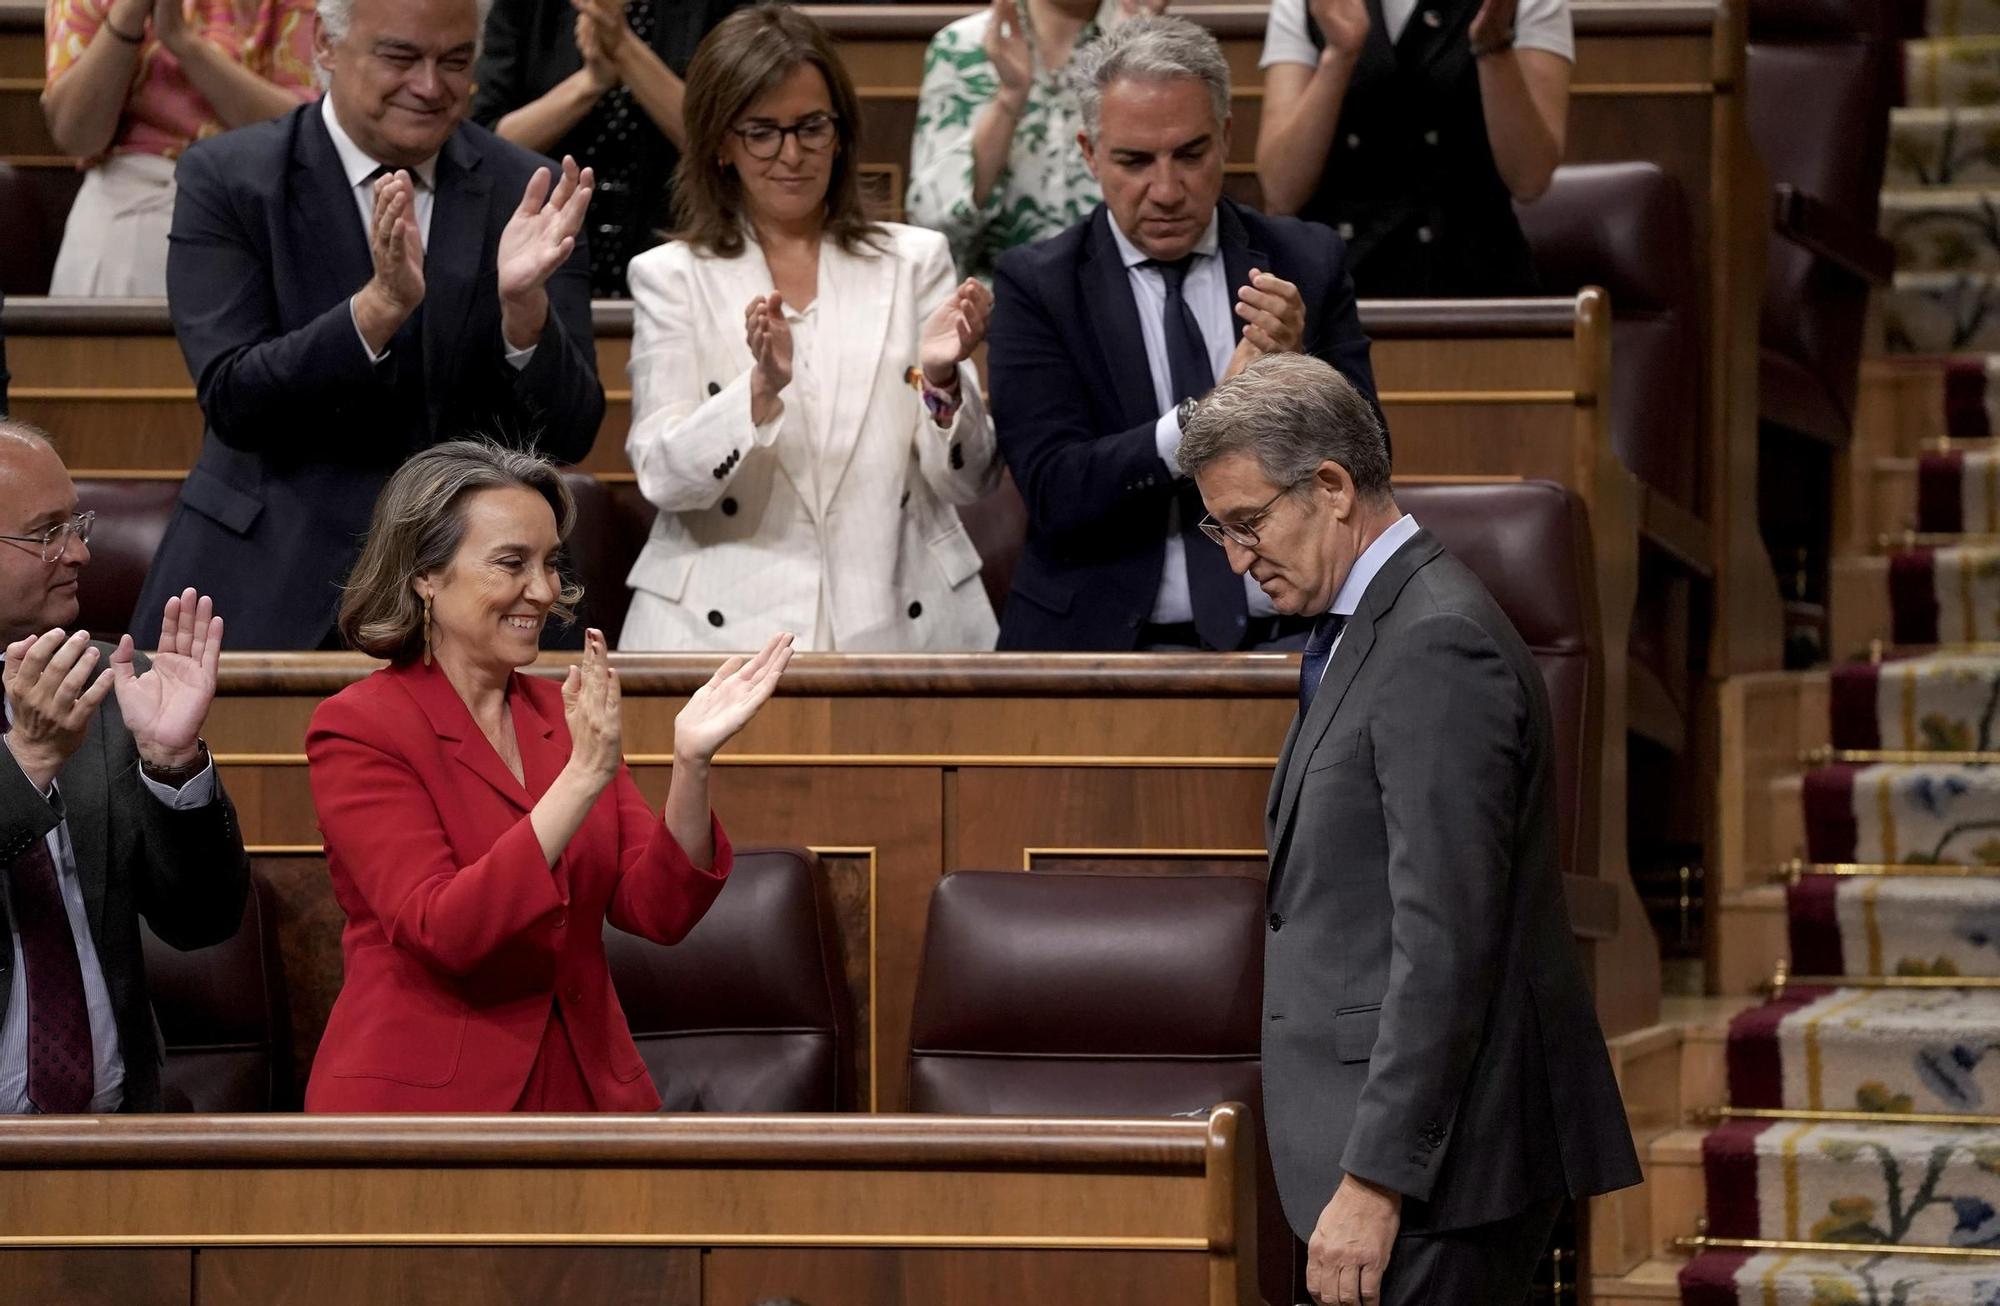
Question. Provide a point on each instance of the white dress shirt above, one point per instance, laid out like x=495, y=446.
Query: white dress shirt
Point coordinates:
x=1538, y=25
x=1206, y=293
x=360, y=169
x=108, y=1075
x=1362, y=574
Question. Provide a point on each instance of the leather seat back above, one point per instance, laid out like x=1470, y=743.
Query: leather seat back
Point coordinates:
x=749, y=1011
x=225, y=1014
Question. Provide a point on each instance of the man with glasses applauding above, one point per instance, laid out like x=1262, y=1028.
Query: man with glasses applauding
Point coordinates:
x=110, y=809
x=1105, y=336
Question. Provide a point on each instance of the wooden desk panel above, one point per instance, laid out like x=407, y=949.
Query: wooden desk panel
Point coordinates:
x=323, y=1210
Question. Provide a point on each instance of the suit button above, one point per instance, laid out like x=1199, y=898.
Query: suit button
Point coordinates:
x=1425, y=235
x=1346, y=230
x=1353, y=141
x=562, y=919
x=721, y=472
x=1277, y=922
x=714, y=617
x=1433, y=19
x=916, y=610
x=714, y=389
x=576, y=995
x=1430, y=137
x=729, y=507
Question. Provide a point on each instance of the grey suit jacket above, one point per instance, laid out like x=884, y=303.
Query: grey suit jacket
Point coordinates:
x=186, y=872
x=1427, y=1024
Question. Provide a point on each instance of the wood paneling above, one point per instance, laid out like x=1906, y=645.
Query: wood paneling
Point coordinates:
x=159, y=1276
x=876, y=1278
x=424, y=1276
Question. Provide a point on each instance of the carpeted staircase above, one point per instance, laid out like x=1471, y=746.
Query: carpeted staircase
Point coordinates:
x=1864, y=1115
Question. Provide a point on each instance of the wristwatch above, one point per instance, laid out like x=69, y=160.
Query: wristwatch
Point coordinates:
x=173, y=777
x=1185, y=412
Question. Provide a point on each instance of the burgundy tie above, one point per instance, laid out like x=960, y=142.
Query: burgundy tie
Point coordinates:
x=61, y=1074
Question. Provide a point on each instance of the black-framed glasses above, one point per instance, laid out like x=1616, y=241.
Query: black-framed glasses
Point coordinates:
x=764, y=140
x=56, y=538
x=1242, y=532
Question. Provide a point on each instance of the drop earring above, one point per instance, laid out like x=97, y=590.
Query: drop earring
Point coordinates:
x=427, y=630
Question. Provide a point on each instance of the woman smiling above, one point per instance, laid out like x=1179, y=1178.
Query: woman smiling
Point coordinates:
x=480, y=824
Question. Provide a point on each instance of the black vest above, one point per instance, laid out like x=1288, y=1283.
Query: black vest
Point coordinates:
x=1410, y=182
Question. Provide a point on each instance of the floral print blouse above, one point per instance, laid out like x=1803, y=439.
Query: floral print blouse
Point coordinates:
x=1044, y=187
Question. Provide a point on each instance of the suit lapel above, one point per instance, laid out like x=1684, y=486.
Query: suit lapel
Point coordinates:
x=856, y=299
x=1237, y=256
x=319, y=184
x=451, y=721
x=85, y=788
x=1355, y=643
x=452, y=269
x=1114, y=317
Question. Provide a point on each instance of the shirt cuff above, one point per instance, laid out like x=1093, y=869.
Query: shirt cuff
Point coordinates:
x=373, y=357
x=1167, y=439
x=197, y=792
x=518, y=359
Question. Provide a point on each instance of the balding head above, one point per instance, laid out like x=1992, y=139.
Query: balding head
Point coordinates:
x=35, y=497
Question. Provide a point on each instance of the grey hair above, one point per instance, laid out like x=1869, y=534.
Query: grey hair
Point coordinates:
x=419, y=524
x=337, y=16
x=1152, y=48
x=17, y=432
x=1291, y=412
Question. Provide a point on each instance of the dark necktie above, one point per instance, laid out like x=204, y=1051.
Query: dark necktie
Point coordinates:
x=61, y=1072
x=1215, y=592
x=1319, y=648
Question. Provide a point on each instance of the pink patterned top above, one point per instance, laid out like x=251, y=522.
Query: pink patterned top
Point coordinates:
x=164, y=114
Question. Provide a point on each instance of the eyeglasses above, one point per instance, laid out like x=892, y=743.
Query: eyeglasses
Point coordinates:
x=56, y=538
x=1243, y=532
x=764, y=140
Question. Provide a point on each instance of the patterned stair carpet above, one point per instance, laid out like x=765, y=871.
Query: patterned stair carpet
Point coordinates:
x=1910, y=1058
x=1948, y=595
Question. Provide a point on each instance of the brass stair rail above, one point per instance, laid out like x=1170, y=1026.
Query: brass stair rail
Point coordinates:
x=1714, y=1115
x=1798, y=868
x=1828, y=756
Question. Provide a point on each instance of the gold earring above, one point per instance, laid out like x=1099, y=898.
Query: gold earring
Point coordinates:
x=427, y=630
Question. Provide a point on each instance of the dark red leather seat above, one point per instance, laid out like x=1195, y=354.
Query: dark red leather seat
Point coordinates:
x=612, y=521
x=36, y=201
x=749, y=1012
x=225, y=1015
x=132, y=517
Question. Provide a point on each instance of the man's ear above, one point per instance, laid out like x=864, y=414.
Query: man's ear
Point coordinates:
x=1083, y=144
x=1337, y=486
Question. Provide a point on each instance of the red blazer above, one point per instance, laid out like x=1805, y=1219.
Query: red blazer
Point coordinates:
x=458, y=932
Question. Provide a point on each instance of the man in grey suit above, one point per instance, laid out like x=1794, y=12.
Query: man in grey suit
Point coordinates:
x=1435, y=1081
x=110, y=809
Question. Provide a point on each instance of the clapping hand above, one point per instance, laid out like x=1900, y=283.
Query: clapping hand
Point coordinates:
x=953, y=331
x=1344, y=24
x=601, y=65
x=1007, y=49
x=165, y=705
x=726, y=703
x=1273, y=313
x=170, y=26
x=537, y=240
x=396, y=244
x=51, y=697
x=770, y=339
x=592, y=710
x=1493, y=26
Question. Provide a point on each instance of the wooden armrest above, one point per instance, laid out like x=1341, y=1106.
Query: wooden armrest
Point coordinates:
x=1810, y=222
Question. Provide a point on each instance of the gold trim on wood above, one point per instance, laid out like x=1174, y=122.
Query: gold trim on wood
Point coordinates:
x=285, y=849
x=100, y=394
x=1890, y=542
x=1593, y=90
x=1712, y=1115
x=1028, y=855
x=1026, y=1242
x=1825, y=756
x=1794, y=871
x=1702, y=1242
x=1447, y=398
x=1782, y=979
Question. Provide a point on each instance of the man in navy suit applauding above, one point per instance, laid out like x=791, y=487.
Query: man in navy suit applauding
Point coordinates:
x=354, y=282
x=1103, y=338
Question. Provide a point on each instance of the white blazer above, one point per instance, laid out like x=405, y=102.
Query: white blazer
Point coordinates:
x=752, y=522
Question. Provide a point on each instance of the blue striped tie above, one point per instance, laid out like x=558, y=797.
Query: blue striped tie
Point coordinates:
x=1319, y=648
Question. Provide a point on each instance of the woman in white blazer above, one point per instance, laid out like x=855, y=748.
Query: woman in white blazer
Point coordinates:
x=803, y=412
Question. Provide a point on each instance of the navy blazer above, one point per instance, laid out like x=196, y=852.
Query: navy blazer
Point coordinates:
x=1074, y=406
x=266, y=249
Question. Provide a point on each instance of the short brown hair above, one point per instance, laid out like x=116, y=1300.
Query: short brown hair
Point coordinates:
x=749, y=54
x=419, y=524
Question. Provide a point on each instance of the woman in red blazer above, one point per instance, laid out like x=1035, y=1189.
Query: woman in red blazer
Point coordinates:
x=480, y=824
